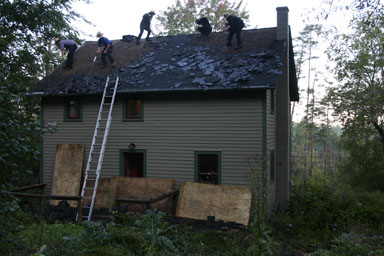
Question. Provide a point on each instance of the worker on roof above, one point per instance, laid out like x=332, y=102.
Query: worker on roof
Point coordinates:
x=204, y=27
x=145, y=24
x=107, y=51
x=66, y=45
x=235, y=25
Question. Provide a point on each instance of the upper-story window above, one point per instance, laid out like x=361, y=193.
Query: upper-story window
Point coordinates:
x=73, y=110
x=133, y=110
x=272, y=101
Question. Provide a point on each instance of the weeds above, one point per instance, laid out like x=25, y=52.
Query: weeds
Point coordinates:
x=321, y=219
x=351, y=244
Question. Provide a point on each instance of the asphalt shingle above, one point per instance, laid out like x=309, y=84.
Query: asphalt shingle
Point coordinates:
x=171, y=63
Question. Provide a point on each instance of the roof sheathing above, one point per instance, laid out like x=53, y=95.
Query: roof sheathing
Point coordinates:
x=176, y=63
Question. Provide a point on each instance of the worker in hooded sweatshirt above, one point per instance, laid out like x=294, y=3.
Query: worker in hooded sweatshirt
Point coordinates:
x=106, y=51
x=235, y=25
x=145, y=24
x=204, y=27
x=67, y=45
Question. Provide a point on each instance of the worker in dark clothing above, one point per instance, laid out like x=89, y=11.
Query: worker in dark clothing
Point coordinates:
x=235, y=25
x=145, y=24
x=67, y=45
x=107, y=51
x=204, y=27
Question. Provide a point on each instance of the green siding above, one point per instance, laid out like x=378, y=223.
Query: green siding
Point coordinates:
x=173, y=129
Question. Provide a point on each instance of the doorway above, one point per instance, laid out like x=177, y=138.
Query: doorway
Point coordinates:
x=133, y=164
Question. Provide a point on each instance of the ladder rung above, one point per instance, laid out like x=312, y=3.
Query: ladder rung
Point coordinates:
x=109, y=92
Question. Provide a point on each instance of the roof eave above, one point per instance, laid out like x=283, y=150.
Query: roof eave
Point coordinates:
x=211, y=90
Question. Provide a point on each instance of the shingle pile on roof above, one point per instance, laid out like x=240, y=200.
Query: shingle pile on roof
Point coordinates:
x=175, y=63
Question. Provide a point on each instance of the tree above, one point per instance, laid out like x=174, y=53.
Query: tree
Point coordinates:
x=180, y=18
x=326, y=148
x=358, y=98
x=306, y=42
x=333, y=6
x=27, y=28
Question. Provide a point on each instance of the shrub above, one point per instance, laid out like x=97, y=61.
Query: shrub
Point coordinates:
x=51, y=235
x=316, y=207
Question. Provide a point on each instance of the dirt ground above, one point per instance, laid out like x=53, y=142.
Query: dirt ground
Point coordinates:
x=63, y=212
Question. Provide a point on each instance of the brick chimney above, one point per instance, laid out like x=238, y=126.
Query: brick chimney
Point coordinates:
x=282, y=23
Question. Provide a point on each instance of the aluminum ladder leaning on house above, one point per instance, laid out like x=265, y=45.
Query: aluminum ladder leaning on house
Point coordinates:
x=99, y=141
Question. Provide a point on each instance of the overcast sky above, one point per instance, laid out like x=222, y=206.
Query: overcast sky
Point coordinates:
x=122, y=17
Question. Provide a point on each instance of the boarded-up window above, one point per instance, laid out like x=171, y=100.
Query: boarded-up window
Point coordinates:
x=73, y=110
x=208, y=168
x=133, y=109
x=134, y=164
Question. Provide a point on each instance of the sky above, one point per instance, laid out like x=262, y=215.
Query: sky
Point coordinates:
x=122, y=17
x=116, y=18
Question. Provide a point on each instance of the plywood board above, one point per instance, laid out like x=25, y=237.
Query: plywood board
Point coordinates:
x=145, y=189
x=227, y=203
x=132, y=188
x=106, y=193
x=67, y=171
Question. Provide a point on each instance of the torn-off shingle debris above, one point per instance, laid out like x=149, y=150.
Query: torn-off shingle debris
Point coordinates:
x=184, y=62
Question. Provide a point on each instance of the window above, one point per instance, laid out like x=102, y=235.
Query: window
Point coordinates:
x=133, y=110
x=207, y=167
x=272, y=165
x=132, y=163
x=272, y=101
x=72, y=110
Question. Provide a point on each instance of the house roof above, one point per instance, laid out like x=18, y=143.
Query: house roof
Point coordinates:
x=175, y=63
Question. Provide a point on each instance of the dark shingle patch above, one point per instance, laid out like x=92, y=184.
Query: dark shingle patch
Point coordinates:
x=183, y=62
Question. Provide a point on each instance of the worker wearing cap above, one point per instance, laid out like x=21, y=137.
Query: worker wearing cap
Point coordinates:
x=236, y=25
x=107, y=51
x=67, y=45
x=145, y=24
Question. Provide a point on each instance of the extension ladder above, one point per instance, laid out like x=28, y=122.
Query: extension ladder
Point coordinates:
x=99, y=141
